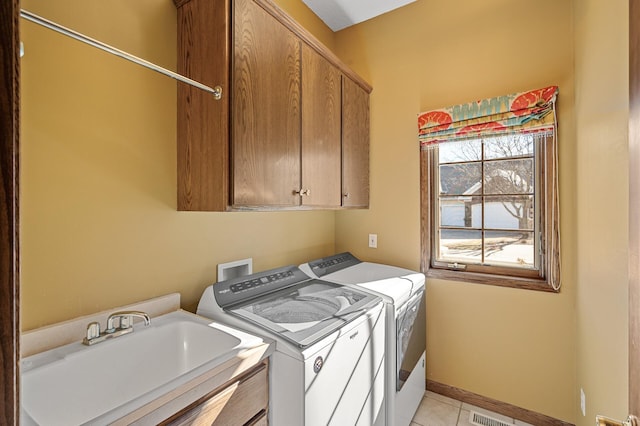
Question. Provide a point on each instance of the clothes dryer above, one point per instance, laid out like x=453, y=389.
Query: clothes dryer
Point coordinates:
x=403, y=292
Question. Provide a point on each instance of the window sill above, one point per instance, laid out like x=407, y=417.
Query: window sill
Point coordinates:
x=487, y=279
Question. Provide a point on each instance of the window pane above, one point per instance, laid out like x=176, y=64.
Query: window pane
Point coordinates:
x=460, y=151
x=461, y=212
x=509, y=212
x=460, y=179
x=487, y=212
x=509, y=177
x=509, y=146
x=460, y=246
x=504, y=248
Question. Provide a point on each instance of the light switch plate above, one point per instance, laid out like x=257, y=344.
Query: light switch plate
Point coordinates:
x=373, y=240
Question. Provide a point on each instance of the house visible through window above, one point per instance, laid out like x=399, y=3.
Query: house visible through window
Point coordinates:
x=487, y=212
x=489, y=201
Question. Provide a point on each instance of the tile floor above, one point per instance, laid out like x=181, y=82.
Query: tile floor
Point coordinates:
x=439, y=410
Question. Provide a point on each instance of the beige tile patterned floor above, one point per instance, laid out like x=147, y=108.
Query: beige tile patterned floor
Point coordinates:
x=439, y=410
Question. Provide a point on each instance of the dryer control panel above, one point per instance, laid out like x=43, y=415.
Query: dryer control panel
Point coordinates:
x=337, y=262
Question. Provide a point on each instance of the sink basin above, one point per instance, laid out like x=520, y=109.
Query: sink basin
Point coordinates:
x=75, y=384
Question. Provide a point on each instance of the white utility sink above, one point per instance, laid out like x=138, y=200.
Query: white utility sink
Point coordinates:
x=75, y=384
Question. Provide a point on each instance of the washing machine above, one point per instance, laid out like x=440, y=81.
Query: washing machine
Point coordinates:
x=403, y=293
x=328, y=367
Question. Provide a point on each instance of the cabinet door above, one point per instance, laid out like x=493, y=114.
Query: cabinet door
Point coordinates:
x=266, y=110
x=355, y=145
x=203, y=122
x=321, y=115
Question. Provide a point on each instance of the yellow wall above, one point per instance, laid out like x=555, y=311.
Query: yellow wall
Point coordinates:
x=512, y=345
x=602, y=110
x=100, y=227
x=98, y=185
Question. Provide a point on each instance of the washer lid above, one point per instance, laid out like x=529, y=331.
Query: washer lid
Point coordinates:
x=291, y=305
x=305, y=312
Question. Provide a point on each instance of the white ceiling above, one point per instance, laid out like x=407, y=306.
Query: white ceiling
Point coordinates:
x=339, y=14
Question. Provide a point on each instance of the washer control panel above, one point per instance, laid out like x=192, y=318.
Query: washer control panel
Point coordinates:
x=256, y=282
x=239, y=289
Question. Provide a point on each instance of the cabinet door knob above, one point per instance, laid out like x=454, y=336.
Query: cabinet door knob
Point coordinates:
x=302, y=192
x=346, y=195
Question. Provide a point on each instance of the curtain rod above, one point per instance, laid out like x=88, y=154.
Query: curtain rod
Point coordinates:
x=216, y=91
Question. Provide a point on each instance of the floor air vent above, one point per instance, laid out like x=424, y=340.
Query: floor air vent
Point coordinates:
x=483, y=420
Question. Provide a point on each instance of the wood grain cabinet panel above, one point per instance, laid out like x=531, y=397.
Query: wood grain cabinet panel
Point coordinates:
x=282, y=135
x=355, y=145
x=266, y=109
x=203, y=122
x=243, y=402
x=321, y=130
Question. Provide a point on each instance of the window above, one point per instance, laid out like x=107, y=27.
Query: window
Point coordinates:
x=489, y=207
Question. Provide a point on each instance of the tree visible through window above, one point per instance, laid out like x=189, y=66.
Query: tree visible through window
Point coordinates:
x=487, y=207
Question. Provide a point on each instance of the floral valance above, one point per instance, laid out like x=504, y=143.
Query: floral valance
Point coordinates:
x=524, y=112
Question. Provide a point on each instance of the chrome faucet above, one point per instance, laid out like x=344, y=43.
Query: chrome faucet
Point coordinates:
x=125, y=326
x=125, y=319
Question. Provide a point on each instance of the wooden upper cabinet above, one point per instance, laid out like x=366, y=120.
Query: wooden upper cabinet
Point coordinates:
x=355, y=145
x=266, y=110
x=292, y=124
x=321, y=132
x=202, y=121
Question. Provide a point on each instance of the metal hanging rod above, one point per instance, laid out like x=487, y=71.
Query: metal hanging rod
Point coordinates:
x=216, y=91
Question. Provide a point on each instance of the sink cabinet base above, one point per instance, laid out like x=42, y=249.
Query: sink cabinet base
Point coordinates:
x=243, y=401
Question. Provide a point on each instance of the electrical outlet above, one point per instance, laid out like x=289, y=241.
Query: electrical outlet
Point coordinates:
x=583, y=402
x=373, y=240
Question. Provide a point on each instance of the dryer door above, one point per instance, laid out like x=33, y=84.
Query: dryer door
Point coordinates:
x=411, y=337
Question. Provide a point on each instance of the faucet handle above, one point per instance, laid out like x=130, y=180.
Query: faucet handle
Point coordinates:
x=126, y=321
x=93, y=331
